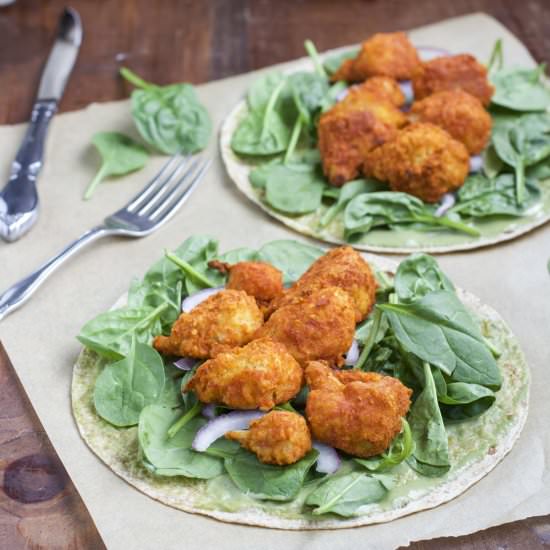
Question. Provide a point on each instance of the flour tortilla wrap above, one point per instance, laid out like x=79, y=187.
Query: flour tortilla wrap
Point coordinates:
x=475, y=447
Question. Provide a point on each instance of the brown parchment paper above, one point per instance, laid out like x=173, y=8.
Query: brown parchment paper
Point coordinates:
x=40, y=337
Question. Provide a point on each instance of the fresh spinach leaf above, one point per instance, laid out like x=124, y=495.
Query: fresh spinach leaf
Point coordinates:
x=120, y=155
x=418, y=275
x=111, y=333
x=462, y=401
x=170, y=118
x=173, y=456
x=345, y=494
x=309, y=91
x=266, y=481
x=262, y=89
x=439, y=329
x=492, y=165
x=431, y=452
x=291, y=257
x=124, y=388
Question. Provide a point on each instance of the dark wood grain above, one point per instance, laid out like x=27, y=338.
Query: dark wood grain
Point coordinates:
x=167, y=41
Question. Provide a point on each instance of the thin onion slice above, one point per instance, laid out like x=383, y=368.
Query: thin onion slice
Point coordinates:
x=209, y=411
x=185, y=363
x=352, y=354
x=427, y=53
x=476, y=163
x=195, y=299
x=447, y=203
x=328, y=461
x=407, y=89
x=216, y=428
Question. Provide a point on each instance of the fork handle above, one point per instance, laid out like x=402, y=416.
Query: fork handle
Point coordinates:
x=21, y=291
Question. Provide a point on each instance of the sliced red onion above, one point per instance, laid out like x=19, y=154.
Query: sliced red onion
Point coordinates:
x=407, y=89
x=185, y=363
x=447, y=202
x=353, y=353
x=209, y=411
x=216, y=428
x=195, y=299
x=476, y=163
x=328, y=461
x=341, y=95
x=427, y=53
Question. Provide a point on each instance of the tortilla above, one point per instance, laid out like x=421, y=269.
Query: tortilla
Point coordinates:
x=398, y=241
x=475, y=446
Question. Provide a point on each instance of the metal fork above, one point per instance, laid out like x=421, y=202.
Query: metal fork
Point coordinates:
x=157, y=202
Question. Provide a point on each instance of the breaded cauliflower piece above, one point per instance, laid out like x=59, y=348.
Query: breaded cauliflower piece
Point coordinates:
x=260, y=375
x=224, y=320
x=343, y=267
x=320, y=326
x=423, y=160
x=279, y=437
x=360, y=122
x=383, y=87
x=383, y=54
x=359, y=413
x=459, y=113
x=452, y=72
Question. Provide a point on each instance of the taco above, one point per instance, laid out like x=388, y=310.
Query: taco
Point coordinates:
x=453, y=356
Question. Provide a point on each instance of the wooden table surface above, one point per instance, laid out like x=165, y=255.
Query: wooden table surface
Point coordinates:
x=197, y=41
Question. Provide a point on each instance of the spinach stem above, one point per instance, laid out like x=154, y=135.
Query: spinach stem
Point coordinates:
x=155, y=313
x=447, y=222
x=497, y=57
x=285, y=407
x=101, y=173
x=270, y=106
x=384, y=279
x=493, y=349
x=134, y=79
x=334, y=499
x=371, y=338
x=293, y=139
x=520, y=181
x=188, y=269
x=312, y=52
x=181, y=422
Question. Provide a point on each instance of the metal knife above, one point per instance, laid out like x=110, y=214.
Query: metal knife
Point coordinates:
x=19, y=198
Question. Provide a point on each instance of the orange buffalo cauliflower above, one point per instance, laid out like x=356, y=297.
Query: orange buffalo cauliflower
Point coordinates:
x=383, y=54
x=462, y=72
x=224, y=320
x=279, y=437
x=357, y=412
x=459, y=113
x=259, y=375
x=423, y=160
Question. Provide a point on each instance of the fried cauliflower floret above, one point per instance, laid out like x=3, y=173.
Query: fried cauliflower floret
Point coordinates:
x=383, y=87
x=279, y=437
x=383, y=54
x=422, y=160
x=459, y=113
x=321, y=326
x=260, y=375
x=360, y=122
x=343, y=267
x=359, y=413
x=226, y=319
x=452, y=72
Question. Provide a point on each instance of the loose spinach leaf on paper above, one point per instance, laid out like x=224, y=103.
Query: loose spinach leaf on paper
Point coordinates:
x=124, y=388
x=294, y=191
x=439, y=329
x=348, y=192
x=345, y=494
x=265, y=481
x=482, y=197
x=111, y=333
x=431, y=453
x=120, y=155
x=291, y=257
x=418, y=275
x=520, y=89
x=170, y=118
x=369, y=210
x=166, y=456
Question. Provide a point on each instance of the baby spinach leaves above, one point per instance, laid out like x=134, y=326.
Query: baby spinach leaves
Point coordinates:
x=120, y=155
x=265, y=481
x=124, y=388
x=345, y=494
x=166, y=456
x=170, y=118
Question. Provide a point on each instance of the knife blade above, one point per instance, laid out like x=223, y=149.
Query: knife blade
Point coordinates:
x=19, y=198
